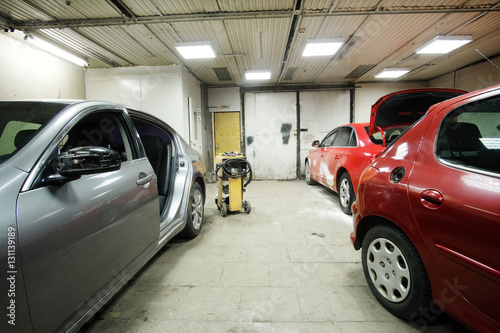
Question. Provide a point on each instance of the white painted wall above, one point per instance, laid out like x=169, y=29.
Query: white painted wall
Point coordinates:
x=224, y=99
x=471, y=78
x=271, y=127
x=192, y=109
x=27, y=72
x=270, y=121
x=367, y=94
x=321, y=112
x=160, y=91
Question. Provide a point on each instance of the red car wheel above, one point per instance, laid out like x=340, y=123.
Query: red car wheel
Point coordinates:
x=395, y=272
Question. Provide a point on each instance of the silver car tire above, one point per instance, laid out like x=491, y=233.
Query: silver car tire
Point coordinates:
x=195, y=213
x=395, y=272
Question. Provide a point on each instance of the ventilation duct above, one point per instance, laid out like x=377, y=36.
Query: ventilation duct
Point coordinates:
x=359, y=71
x=222, y=73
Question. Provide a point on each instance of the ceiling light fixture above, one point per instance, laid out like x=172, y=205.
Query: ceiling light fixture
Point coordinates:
x=195, y=50
x=322, y=47
x=391, y=73
x=258, y=75
x=55, y=50
x=443, y=44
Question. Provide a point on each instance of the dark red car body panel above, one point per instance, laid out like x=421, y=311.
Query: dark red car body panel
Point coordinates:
x=450, y=214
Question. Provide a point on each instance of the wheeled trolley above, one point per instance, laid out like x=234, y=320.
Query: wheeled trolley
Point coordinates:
x=234, y=173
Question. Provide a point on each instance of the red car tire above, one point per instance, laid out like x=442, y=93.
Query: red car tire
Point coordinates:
x=395, y=272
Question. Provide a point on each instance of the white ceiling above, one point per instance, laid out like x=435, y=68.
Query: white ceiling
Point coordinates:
x=264, y=34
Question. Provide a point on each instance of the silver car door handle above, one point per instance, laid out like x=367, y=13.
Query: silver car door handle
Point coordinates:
x=144, y=179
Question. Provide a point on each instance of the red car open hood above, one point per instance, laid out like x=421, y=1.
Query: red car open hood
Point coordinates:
x=406, y=107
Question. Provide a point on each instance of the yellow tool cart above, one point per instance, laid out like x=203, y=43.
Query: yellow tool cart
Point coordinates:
x=234, y=173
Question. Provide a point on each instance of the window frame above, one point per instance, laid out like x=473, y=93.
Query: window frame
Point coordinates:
x=332, y=133
x=37, y=176
x=348, y=145
x=455, y=113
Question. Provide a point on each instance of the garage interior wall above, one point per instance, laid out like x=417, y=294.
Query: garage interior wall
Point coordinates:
x=192, y=105
x=320, y=112
x=280, y=127
x=270, y=120
x=177, y=97
x=224, y=99
x=168, y=92
x=481, y=75
x=27, y=72
x=157, y=90
x=365, y=95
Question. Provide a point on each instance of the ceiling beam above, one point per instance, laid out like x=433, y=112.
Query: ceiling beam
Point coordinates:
x=388, y=11
x=59, y=24
x=292, y=32
x=151, y=19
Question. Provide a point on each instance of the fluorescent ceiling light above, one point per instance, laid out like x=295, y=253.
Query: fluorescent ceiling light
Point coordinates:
x=58, y=52
x=322, y=47
x=258, y=75
x=195, y=50
x=443, y=44
x=391, y=73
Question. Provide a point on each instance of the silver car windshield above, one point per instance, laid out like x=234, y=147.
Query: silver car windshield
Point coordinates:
x=20, y=121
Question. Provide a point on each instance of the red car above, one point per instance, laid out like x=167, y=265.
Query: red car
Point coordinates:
x=427, y=216
x=340, y=158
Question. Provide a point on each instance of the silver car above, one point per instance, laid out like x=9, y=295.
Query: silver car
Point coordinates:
x=89, y=192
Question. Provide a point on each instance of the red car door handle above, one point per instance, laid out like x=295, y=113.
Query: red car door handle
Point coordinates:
x=431, y=198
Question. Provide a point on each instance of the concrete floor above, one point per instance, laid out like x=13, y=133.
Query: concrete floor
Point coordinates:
x=288, y=266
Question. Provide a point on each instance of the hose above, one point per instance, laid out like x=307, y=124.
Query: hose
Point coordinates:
x=232, y=168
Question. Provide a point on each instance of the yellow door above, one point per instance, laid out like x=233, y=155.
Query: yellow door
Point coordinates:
x=227, y=132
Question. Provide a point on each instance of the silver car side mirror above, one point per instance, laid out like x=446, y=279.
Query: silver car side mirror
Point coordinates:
x=87, y=160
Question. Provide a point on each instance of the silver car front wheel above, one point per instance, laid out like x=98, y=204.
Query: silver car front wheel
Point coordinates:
x=195, y=213
x=197, y=208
